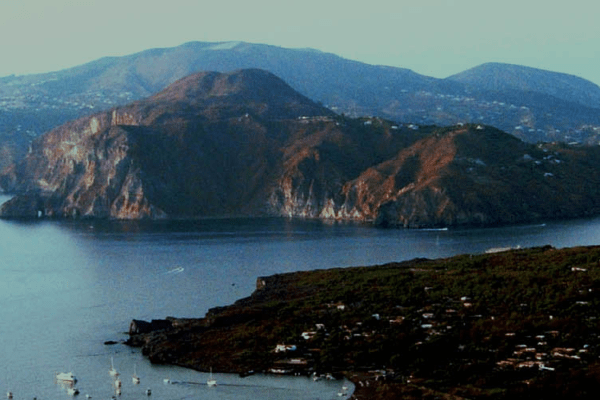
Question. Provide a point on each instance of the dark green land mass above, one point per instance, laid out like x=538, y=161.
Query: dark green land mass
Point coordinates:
x=516, y=324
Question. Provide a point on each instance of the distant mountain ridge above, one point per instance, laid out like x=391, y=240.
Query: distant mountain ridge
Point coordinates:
x=505, y=77
x=33, y=104
x=144, y=73
x=244, y=143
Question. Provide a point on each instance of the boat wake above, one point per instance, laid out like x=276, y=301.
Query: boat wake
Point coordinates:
x=177, y=270
x=220, y=384
x=543, y=225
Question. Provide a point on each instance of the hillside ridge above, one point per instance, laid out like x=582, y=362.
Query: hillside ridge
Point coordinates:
x=33, y=104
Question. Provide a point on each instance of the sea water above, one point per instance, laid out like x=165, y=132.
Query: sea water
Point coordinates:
x=66, y=287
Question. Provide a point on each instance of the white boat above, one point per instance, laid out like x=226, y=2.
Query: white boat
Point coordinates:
x=72, y=391
x=343, y=392
x=211, y=381
x=167, y=381
x=112, y=371
x=118, y=384
x=9, y=395
x=66, y=377
x=134, y=378
x=148, y=392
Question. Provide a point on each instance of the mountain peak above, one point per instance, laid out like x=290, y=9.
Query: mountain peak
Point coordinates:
x=257, y=91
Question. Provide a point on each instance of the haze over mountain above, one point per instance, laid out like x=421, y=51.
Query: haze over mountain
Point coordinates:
x=245, y=143
x=548, y=106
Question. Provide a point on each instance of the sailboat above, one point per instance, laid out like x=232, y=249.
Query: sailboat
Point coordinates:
x=211, y=381
x=112, y=371
x=134, y=378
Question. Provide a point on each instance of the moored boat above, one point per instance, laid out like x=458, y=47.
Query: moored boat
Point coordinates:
x=211, y=381
x=134, y=378
x=66, y=377
x=112, y=371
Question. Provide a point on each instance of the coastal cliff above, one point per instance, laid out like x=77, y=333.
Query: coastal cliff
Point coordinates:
x=245, y=144
x=439, y=177
x=206, y=146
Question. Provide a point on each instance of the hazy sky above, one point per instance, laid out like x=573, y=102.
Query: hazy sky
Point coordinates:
x=431, y=37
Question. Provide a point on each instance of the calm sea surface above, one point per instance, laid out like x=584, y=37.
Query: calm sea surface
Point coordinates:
x=66, y=287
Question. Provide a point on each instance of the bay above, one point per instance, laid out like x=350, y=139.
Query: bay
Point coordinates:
x=66, y=287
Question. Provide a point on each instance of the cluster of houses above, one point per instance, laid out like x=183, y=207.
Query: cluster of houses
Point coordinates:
x=319, y=118
x=90, y=100
x=74, y=104
x=519, y=120
x=541, y=356
x=545, y=351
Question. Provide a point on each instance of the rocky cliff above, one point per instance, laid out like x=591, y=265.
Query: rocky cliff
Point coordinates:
x=205, y=146
x=245, y=143
x=463, y=175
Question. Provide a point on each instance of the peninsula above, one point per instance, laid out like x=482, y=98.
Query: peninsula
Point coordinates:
x=506, y=325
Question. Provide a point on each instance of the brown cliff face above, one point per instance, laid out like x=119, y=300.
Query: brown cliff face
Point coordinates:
x=205, y=146
x=323, y=158
x=245, y=143
x=470, y=175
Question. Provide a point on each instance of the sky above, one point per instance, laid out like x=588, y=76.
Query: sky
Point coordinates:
x=432, y=37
